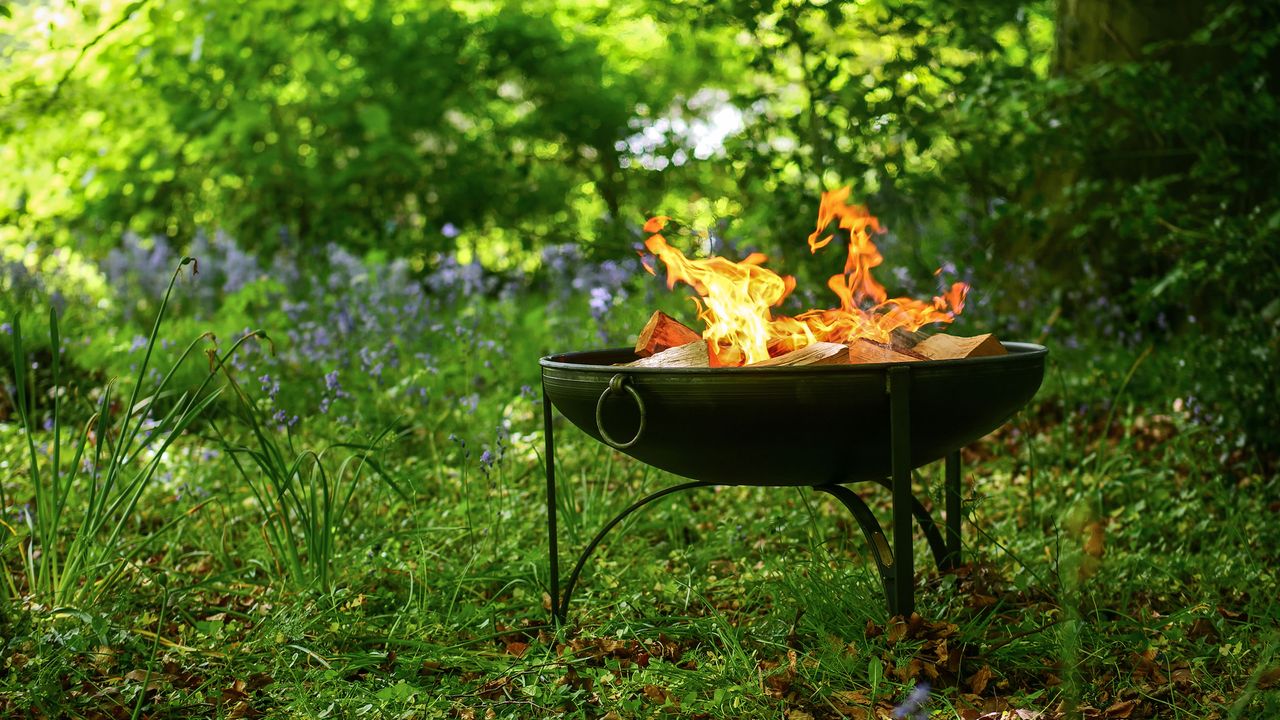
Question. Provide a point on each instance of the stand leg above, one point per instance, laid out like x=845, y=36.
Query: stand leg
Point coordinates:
x=937, y=545
x=900, y=438
x=591, y=546
x=550, y=460
x=953, y=510
x=871, y=529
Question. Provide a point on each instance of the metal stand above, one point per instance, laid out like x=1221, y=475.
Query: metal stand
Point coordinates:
x=895, y=563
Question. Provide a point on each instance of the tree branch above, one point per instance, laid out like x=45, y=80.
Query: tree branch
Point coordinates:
x=129, y=10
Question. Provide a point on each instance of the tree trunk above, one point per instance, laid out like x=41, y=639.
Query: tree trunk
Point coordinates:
x=1094, y=31
x=1120, y=144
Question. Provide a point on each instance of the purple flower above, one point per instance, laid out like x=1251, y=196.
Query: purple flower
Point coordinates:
x=486, y=458
x=450, y=230
x=600, y=301
x=139, y=342
x=331, y=382
x=913, y=707
x=269, y=386
x=6, y=328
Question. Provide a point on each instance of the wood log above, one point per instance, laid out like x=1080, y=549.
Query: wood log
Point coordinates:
x=819, y=353
x=951, y=347
x=689, y=355
x=903, y=339
x=867, y=351
x=663, y=332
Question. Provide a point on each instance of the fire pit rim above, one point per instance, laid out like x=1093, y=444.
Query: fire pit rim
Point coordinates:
x=1018, y=353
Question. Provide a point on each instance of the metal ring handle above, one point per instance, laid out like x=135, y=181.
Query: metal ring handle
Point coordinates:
x=618, y=383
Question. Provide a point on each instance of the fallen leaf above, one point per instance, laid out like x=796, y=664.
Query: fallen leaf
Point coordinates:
x=517, y=648
x=655, y=694
x=897, y=629
x=978, y=681
x=1268, y=679
x=1121, y=709
x=1203, y=629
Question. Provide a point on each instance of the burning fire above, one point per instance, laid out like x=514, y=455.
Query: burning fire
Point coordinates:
x=734, y=298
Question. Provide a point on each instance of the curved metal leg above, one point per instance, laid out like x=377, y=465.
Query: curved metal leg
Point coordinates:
x=563, y=603
x=937, y=545
x=871, y=529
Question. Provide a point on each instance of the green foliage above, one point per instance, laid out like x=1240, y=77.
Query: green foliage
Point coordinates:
x=372, y=124
x=305, y=497
x=75, y=546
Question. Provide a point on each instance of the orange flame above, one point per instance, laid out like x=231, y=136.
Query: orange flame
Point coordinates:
x=735, y=298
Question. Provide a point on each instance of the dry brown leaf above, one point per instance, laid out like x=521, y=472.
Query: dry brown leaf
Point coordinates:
x=655, y=694
x=1266, y=681
x=978, y=681
x=798, y=715
x=1202, y=629
x=897, y=629
x=517, y=648
x=1121, y=709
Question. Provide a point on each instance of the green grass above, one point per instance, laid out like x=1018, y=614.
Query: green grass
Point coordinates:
x=1119, y=563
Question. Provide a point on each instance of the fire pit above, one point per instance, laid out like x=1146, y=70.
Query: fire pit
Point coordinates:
x=818, y=426
x=850, y=393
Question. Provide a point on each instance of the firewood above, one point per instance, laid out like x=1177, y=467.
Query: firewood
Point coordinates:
x=663, y=332
x=904, y=339
x=868, y=351
x=689, y=355
x=819, y=353
x=951, y=347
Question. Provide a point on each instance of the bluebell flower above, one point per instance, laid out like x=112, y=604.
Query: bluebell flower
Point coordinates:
x=269, y=387
x=913, y=707
x=450, y=230
x=139, y=342
x=6, y=328
x=600, y=301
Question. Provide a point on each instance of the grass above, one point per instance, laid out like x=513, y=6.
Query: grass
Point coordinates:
x=1117, y=565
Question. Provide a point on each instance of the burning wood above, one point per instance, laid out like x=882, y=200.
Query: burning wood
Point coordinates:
x=866, y=351
x=736, y=301
x=819, y=353
x=689, y=355
x=664, y=332
x=951, y=347
x=861, y=351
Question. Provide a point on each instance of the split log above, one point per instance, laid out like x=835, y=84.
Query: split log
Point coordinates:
x=819, y=353
x=689, y=355
x=904, y=339
x=951, y=347
x=663, y=332
x=866, y=351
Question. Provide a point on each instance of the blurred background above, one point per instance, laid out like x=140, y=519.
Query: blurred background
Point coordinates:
x=351, y=173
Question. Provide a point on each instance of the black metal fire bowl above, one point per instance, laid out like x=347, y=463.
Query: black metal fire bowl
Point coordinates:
x=816, y=425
